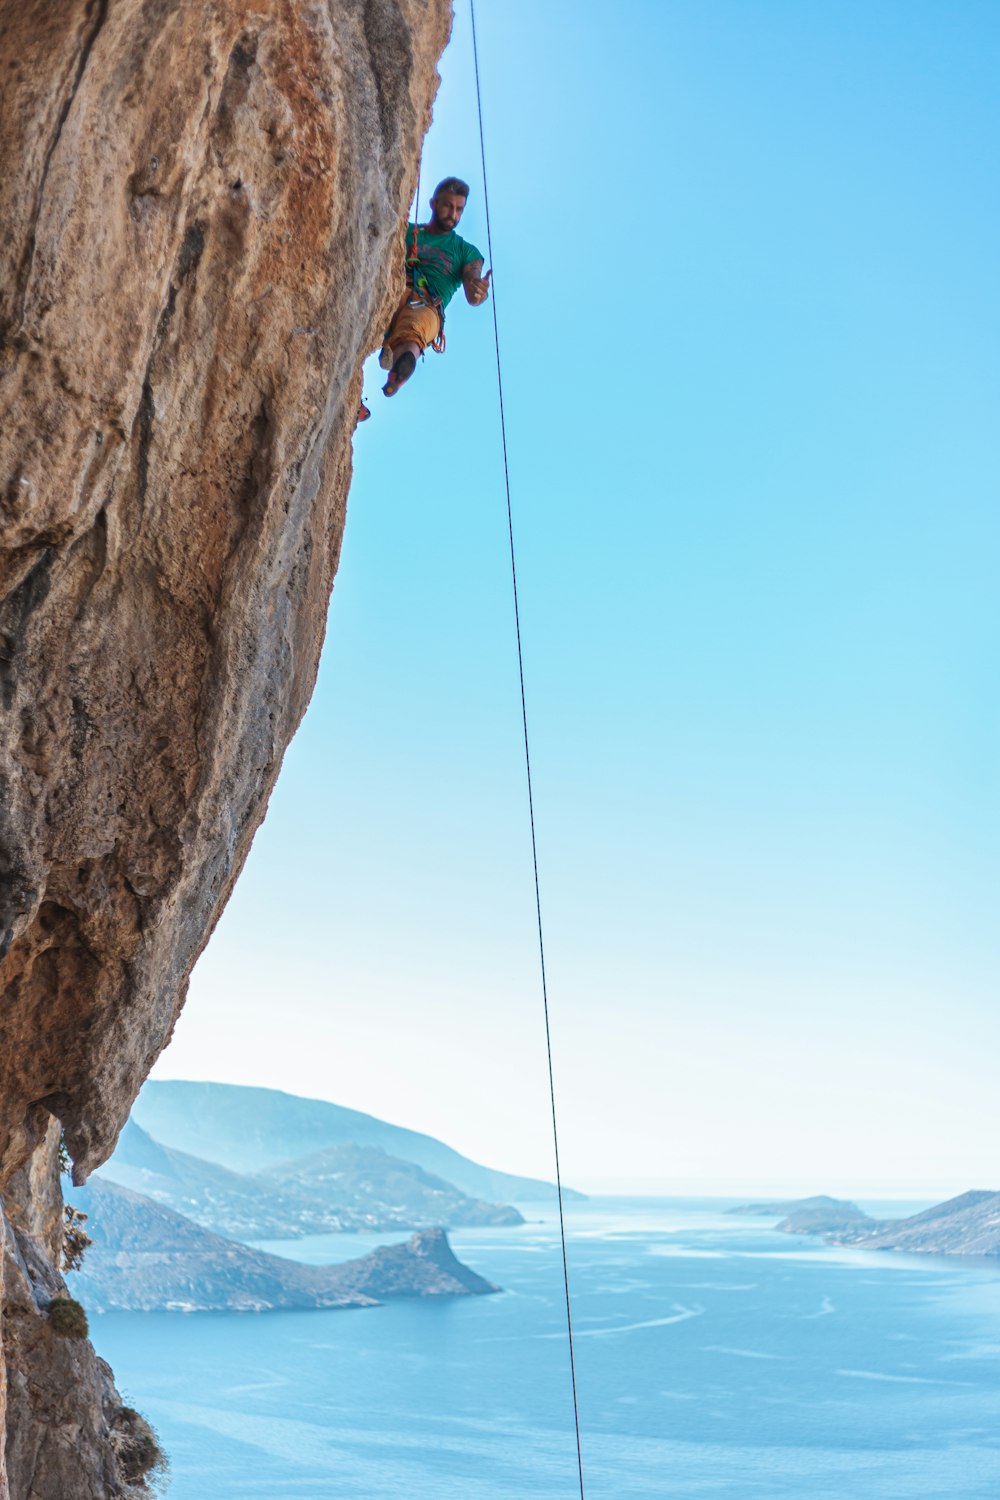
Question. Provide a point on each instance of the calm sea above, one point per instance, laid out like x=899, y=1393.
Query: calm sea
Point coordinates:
x=715, y=1358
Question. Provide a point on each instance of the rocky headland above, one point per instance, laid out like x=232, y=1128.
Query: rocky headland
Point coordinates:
x=147, y=1258
x=201, y=214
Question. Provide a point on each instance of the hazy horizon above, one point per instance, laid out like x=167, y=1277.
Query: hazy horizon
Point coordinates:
x=761, y=1187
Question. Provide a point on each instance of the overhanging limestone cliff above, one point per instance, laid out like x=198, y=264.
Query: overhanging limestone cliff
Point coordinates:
x=198, y=244
x=200, y=220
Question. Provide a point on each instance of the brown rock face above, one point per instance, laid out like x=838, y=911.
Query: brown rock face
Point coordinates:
x=68, y=1433
x=200, y=215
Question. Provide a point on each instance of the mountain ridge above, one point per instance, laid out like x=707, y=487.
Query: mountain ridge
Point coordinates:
x=362, y=1189
x=249, y=1129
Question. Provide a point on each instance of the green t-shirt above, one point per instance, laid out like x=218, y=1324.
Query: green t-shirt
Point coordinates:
x=441, y=258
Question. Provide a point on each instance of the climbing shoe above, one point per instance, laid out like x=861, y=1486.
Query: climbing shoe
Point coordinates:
x=386, y=358
x=363, y=414
x=400, y=373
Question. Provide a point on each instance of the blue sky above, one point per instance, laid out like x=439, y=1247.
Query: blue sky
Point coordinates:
x=749, y=316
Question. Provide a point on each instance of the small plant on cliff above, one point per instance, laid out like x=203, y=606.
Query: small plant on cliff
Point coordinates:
x=67, y=1318
x=65, y=1165
x=141, y=1460
x=75, y=1238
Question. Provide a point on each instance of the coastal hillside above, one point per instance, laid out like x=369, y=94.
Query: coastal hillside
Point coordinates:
x=147, y=1258
x=250, y=1130
x=342, y=1190
x=966, y=1225
x=384, y=1191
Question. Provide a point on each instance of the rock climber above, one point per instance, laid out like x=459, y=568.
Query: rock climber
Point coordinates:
x=438, y=262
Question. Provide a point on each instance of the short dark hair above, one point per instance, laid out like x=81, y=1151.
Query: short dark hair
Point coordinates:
x=453, y=185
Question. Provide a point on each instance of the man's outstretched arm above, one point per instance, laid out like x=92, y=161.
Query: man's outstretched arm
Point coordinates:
x=477, y=286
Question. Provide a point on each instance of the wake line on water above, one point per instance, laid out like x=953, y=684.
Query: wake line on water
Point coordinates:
x=826, y=1310
x=685, y=1252
x=900, y=1379
x=273, y=1383
x=680, y=1316
x=740, y=1353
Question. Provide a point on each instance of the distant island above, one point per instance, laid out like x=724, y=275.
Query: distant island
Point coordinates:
x=170, y=1225
x=966, y=1225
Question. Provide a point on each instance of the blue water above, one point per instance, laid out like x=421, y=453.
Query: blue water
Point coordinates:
x=715, y=1358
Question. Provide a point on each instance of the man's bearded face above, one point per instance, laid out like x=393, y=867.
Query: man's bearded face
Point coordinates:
x=447, y=208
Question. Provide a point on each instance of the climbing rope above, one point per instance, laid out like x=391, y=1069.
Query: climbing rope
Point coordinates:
x=418, y=282
x=527, y=767
x=414, y=249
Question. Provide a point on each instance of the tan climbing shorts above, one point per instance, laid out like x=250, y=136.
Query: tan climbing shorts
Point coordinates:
x=414, y=323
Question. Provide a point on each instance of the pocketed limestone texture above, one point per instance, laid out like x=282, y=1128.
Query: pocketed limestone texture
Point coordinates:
x=201, y=209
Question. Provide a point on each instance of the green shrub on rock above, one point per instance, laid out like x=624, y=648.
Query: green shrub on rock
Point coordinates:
x=68, y=1318
x=140, y=1457
x=75, y=1238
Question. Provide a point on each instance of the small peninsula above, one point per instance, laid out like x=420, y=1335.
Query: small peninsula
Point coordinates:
x=146, y=1258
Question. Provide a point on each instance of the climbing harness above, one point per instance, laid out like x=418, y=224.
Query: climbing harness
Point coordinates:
x=527, y=767
x=422, y=296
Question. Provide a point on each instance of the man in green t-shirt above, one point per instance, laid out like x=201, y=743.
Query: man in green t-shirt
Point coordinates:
x=438, y=262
